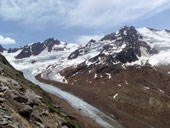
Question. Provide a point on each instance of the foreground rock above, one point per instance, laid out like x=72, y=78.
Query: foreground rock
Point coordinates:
x=25, y=105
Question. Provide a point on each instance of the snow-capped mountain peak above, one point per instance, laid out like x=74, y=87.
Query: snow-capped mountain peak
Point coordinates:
x=128, y=46
x=37, y=48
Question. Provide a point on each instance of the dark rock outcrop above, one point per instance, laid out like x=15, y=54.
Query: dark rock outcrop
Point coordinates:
x=36, y=48
x=83, y=50
x=25, y=111
x=76, y=53
x=1, y=49
x=12, y=50
x=21, y=99
x=26, y=52
x=109, y=37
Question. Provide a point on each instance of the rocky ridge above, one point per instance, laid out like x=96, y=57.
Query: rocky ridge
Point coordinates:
x=124, y=46
x=36, y=48
x=1, y=49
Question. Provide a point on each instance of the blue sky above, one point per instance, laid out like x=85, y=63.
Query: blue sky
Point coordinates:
x=27, y=21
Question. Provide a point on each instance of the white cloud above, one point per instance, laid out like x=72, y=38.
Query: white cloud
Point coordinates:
x=88, y=13
x=6, y=40
x=31, y=11
x=113, y=12
x=85, y=39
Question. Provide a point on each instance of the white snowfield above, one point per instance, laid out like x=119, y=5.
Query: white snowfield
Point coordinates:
x=160, y=40
x=80, y=105
x=44, y=59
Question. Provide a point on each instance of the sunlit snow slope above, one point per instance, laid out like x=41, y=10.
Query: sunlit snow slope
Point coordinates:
x=39, y=62
x=160, y=40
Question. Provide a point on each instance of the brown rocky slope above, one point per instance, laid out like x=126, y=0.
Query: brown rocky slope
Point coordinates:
x=137, y=96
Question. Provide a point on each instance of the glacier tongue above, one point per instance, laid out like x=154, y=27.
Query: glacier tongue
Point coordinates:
x=80, y=105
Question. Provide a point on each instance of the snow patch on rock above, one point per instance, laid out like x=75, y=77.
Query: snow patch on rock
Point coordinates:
x=109, y=75
x=60, y=78
x=114, y=97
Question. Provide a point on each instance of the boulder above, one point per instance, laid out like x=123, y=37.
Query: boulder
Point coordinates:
x=3, y=88
x=21, y=99
x=3, y=121
x=45, y=113
x=13, y=126
x=1, y=94
x=33, y=99
x=36, y=117
x=40, y=125
x=13, y=82
x=2, y=100
x=25, y=111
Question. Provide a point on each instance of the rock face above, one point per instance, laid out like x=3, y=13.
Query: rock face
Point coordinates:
x=35, y=48
x=21, y=99
x=124, y=46
x=25, y=111
x=12, y=50
x=1, y=49
x=24, y=105
x=84, y=50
